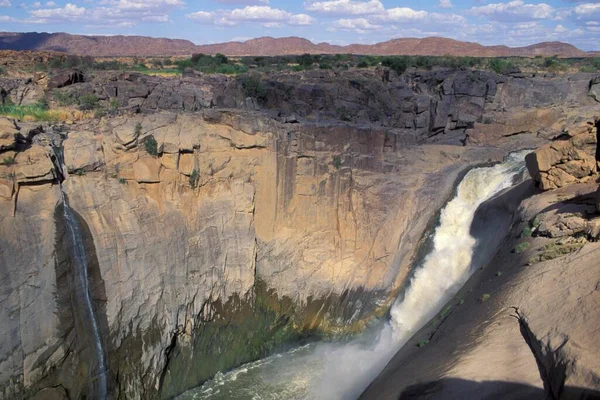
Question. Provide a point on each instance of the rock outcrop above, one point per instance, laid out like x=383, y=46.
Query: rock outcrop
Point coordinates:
x=566, y=161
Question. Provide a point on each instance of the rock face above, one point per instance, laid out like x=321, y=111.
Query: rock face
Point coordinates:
x=520, y=328
x=242, y=230
x=564, y=162
x=65, y=78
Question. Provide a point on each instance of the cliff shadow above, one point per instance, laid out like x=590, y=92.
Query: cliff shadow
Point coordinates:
x=460, y=389
x=78, y=379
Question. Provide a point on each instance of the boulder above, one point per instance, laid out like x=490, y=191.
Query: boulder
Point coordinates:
x=147, y=170
x=564, y=162
x=65, y=78
x=34, y=165
x=127, y=133
x=82, y=152
x=8, y=132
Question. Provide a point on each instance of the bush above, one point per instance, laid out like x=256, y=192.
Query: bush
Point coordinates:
x=521, y=247
x=151, y=145
x=2, y=71
x=526, y=233
x=396, y=64
x=337, y=162
x=253, y=87
x=194, y=179
x=88, y=102
x=485, y=297
x=363, y=64
x=64, y=98
x=501, y=66
x=7, y=161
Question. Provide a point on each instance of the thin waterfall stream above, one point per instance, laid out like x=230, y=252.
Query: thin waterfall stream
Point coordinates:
x=336, y=371
x=81, y=285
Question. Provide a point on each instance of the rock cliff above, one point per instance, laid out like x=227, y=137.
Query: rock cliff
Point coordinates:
x=219, y=227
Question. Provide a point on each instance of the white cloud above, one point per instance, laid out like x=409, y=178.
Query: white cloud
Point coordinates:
x=345, y=7
x=445, y=4
x=265, y=15
x=115, y=13
x=560, y=29
x=360, y=25
x=4, y=18
x=587, y=12
x=5, y=3
x=514, y=11
x=243, y=2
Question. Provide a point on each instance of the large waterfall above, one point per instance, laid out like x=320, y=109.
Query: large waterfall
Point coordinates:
x=335, y=371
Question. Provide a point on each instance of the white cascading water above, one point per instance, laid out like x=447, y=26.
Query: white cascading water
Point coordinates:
x=98, y=372
x=336, y=371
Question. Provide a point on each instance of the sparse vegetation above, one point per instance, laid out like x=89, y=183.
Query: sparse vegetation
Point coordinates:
x=253, y=87
x=521, y=247
x=35, y=113
x=499, y=274
x=337, y=162
x=7, y=161
x=422, y=343
x=211, y=64
x=122, y=181
x=194, y=178
x=526, y=233
x=2, y=71
x=88, y=102
x=501, y=66
x=80, y=172
x=485, y=297
x=65, y=98
x=150, y=145
x=556, y=250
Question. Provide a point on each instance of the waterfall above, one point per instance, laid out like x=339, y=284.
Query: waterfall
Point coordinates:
x=335, y=371
x=81, y=286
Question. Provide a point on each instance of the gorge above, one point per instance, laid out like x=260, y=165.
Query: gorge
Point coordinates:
x=195, y=229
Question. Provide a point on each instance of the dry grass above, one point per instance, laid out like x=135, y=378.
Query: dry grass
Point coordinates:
x=36, y=113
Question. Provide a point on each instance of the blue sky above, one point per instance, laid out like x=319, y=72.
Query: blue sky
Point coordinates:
x=514, y=23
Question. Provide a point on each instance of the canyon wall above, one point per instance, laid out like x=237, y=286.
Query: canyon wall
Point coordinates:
x=252, y=223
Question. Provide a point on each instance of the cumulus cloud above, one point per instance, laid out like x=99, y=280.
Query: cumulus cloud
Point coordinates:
x=360, y=25
x=119, y=13
x=514, y=11
x=445, y=4
x=5, y=3
x=243, y=2
x=345, y=7
x=587, y=12
x=265, y=15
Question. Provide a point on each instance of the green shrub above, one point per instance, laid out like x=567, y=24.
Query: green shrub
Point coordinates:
x=521, y=247
x=253, y=87
x=337, y=162
x=151, y=145
x=422, y=343
x=2, y=71
x=363, y=64
x=324, y=66
x=64, y=98
x=526, y=233
x=556, y=250
x=194, y=178
x=396, y=64
x=485, y=297
x=7, y=161
x=88, y=102
x=122, y=181
x=80, y=172
x=501, y=66
x=138, y=129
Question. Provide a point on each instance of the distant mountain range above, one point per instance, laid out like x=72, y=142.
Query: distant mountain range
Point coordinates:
x=141, y=46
